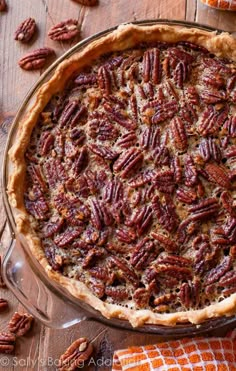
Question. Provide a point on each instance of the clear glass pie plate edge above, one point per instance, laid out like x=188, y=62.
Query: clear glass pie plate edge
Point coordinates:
x=24, y=275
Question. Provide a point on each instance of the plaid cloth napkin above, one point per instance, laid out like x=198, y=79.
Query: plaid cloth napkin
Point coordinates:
x=198, y=354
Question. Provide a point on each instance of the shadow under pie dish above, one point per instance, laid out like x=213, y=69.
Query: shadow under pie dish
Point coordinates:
x=124, y=178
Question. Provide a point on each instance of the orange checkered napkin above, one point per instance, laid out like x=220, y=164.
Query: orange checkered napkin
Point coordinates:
x=198, y=354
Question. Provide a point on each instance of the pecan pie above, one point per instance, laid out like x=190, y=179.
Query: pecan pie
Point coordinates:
x=124, y=175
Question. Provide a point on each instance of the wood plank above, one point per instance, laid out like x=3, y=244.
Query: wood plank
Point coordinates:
x=224, y=20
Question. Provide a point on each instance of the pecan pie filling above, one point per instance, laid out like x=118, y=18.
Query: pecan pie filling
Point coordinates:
x=131, y=178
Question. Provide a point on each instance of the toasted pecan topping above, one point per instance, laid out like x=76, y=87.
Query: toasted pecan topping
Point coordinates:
x=131, y=177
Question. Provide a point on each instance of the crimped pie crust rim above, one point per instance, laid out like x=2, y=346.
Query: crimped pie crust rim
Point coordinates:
x=126, y=36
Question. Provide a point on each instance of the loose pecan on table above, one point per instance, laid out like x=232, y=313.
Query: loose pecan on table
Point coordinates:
x=7, y=342
x=87, y=2
x=65, y=30
x=3, y=304
x=25, y=30
x=75, y=356
x=2, y=283
x=36, y=59
x=20, y=324
x=3, y=5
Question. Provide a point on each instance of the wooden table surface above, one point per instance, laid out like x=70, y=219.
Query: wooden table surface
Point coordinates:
x=41, y=348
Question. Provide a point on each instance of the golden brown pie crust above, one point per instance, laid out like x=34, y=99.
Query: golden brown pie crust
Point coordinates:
x=126, y=36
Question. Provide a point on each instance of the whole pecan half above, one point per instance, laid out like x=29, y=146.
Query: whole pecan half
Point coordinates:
x=150, y=138
x=65, y=30
x=169, y=245
x=125, y=271
x=219, y=175
x=205, y=208
x=113, y=191
x=189, y=293
x=179, y=135
x=126, y=234
x=2, y=283
x=117, y=293
x=64, y=239
x=186, y=195
x=162, y=302
x=128, y=162
x=20, y=324
x=209, y=149
x=99, y=214
x=102, y=129
x=127, y=140
x=75, y=356
x=7, y=342
x=3, y=5
x=142, y=219
x=165, y=111
x=87, y=2
x=176, y=168
x=25, y=30
x=176, y=266
x=3, y=304
x=143, y=254
x=152, y=66
x=190, y=171
x=71, y=113
x=212, y=119
x=228, y=279
x=165, y=213
x=141, y=297
x=164, y=181
x=35, y=59
x=216, y=273
x=103, y=151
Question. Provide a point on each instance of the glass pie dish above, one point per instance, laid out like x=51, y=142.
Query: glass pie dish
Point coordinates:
x=39, y=294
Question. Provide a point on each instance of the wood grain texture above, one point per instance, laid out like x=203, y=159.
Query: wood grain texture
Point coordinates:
x=41, y=349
